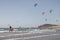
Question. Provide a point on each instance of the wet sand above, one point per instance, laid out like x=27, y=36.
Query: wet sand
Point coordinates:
x=30, y=36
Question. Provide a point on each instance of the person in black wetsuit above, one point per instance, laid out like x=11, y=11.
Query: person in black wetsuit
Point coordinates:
x=10, y=29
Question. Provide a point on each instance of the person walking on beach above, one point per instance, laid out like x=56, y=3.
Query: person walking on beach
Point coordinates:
x=10, y=29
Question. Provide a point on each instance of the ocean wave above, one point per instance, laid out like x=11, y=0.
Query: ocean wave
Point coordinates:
x=32, y=30
x=42, y=31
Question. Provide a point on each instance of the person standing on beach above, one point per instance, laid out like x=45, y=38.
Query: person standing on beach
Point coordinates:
x=10, y=29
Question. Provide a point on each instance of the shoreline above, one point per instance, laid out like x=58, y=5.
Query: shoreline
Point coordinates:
x=44, y=37
x=29, y=36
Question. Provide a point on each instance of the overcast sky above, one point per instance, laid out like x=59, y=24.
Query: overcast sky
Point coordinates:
x=24, y=13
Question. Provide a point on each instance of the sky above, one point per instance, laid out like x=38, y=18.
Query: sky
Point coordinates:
x=23, y=12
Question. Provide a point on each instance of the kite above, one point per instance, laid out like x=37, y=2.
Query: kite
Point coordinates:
x=56, y=20
x=51, y=11
x=43, y=13
x=35, y=4
x=45, y=19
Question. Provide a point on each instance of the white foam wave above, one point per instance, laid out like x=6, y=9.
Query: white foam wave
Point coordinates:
x=33, y=31
x=42, y=31
x=3, y=31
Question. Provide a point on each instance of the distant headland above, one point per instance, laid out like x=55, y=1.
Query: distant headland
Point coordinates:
x=49, y=26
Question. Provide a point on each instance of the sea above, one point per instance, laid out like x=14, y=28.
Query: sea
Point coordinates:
x=31, y=30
